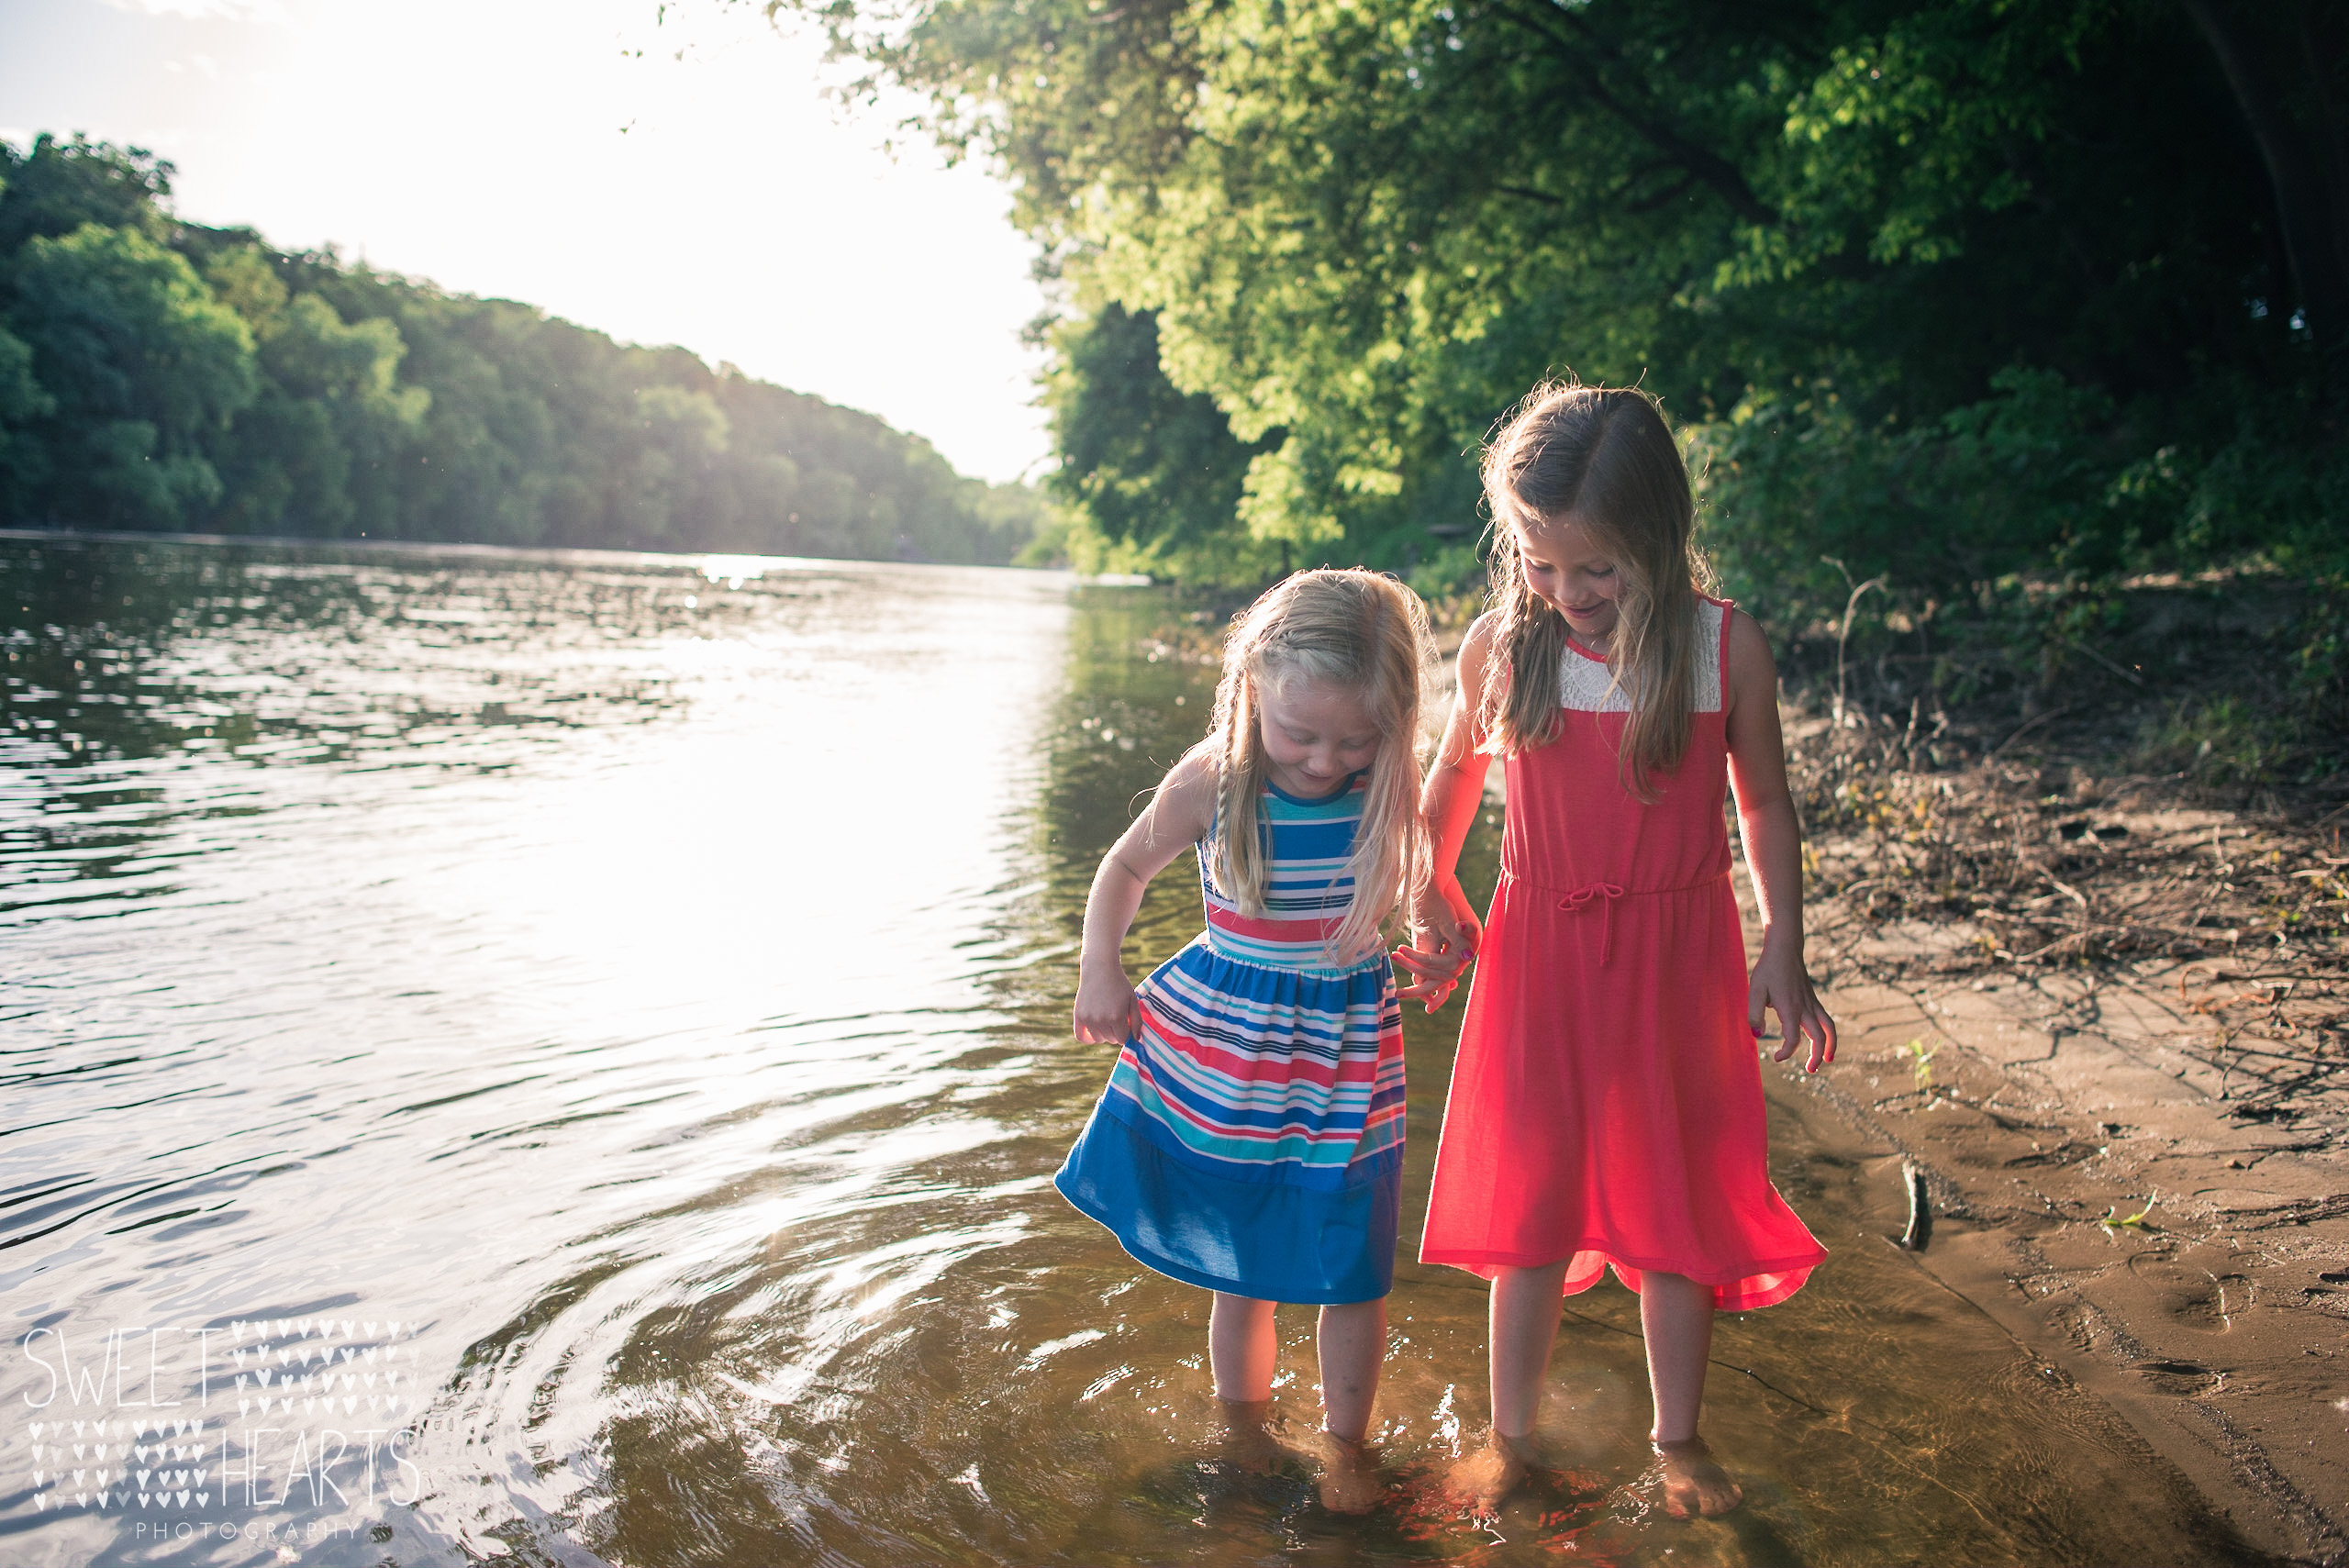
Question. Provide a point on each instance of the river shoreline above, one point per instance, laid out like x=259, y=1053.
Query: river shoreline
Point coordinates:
x=2093, y=1198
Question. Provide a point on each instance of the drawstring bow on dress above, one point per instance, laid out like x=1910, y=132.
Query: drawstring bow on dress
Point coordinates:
x=1579, y=900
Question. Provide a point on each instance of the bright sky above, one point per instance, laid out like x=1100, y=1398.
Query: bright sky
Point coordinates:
x=479, y=143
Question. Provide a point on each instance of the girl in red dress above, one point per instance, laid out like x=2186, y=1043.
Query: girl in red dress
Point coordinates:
x=1605, y=1107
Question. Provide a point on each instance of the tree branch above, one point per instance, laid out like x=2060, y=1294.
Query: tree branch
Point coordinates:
x=1720, y=176
x=1671, y=192
x=2318, y=266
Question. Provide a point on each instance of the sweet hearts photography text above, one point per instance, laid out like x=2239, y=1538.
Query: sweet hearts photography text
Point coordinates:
x=221, y=1428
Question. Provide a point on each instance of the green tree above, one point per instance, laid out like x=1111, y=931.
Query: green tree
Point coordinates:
x=144, y=368
x=24, y=459
x=156, y=373
x=55, y=187
x=680, y=441
x=1155, y=472
x=1870, y=231
x=329, y=406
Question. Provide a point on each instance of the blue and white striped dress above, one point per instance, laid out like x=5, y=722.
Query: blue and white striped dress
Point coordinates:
x=1250, y=1138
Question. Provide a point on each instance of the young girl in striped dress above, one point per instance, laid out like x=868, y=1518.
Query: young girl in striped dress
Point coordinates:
x=1250, y=1138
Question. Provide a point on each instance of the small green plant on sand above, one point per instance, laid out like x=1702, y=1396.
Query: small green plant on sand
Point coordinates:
x=2223, y=740
x=1920, y=1057
x=2113, y=1216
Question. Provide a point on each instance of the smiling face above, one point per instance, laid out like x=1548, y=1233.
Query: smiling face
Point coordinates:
x=1565, y=568
x=1314, y=735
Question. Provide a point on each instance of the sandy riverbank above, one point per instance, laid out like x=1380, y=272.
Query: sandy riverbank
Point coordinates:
x=2103, y=1187
x=2216, y=1325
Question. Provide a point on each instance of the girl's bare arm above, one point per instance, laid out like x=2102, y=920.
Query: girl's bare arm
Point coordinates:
x=1177, y=817
x=1772, y=834
x=1444, y=928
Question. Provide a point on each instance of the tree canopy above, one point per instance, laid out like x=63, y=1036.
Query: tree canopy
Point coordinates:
x=1940, y=288
x=159, y=375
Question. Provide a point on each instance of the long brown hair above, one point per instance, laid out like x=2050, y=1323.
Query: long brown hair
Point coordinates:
x=1358, y=631
x=1603, y=459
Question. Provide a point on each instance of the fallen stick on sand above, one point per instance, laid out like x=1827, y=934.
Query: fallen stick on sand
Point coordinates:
x=1921, y=1208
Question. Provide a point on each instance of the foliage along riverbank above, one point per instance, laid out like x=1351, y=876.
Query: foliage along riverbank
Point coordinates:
x=1995, y=307
x=157, y=375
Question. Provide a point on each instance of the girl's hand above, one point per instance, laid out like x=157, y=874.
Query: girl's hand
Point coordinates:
x=1432, y=976
x=1444, y=934
x=1107, y=1011
x=1443, y=914
x=1782, y=985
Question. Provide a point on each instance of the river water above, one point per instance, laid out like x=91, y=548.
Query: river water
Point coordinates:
x=561, y=1057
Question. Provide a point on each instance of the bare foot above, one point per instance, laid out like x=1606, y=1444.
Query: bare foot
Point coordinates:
x=1486, y=1476
x=1693, y=1483
x=1351, y=1481
x=1248, y=1438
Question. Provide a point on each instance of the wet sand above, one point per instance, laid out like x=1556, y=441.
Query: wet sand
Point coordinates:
x=2091, y=1194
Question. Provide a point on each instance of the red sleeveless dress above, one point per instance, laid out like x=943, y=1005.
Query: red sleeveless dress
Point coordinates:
x=1606, y=1104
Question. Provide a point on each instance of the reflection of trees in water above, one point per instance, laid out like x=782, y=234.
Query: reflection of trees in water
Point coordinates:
x=905, y=1395
x=1109, y=735
x=124, y=662
x=154, y=645
x=1116, y=730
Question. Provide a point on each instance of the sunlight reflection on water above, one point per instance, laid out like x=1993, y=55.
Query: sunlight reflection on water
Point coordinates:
x=651, y=996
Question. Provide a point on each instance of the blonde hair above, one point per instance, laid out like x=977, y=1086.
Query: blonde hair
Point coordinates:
x=1603, y=459
x=1362, y=632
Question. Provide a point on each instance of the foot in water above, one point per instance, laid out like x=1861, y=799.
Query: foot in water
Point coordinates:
x=1351, y=1481
x=1483, y=1479
x=1693, y=1484
x=1249, y=1440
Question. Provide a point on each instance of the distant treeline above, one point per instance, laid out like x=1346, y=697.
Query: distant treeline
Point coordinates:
x=157, y=375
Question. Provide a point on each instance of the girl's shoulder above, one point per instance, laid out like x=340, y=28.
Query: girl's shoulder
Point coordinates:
x=1748, y=668
x=1197, y=769
x=1477, y=649
x=1186, y=797
x=1740, y=631
x=1726, y=630
x=1481, y=633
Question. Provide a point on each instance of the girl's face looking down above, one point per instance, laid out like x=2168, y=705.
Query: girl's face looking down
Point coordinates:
x=1565, y=570
x=1314, y=734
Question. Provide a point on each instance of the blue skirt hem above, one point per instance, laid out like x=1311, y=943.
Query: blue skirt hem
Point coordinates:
x=1267, y=1240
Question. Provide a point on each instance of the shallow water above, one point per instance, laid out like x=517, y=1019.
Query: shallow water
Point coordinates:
x=617, y=1020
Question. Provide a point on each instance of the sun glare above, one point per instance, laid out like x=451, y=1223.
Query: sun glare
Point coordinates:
x=666, y=175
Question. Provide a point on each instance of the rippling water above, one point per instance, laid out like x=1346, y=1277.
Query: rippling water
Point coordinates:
x=592, y=1037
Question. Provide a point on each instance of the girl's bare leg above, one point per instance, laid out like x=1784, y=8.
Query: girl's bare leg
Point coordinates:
x=1240, y=1353
x=1241, y=1349
x=1523, y=1330
x=1676, y=1316
x=1353, y=1345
